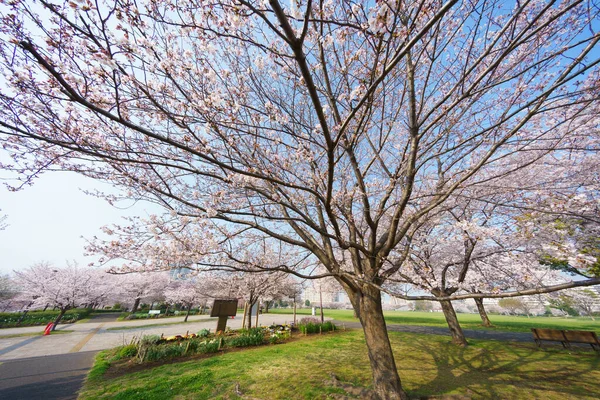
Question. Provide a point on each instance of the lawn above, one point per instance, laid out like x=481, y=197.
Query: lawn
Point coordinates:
x=467, y=321
x=319, y=366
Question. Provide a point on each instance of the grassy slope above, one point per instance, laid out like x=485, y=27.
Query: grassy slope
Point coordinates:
x=428, y=365
x=467, y=321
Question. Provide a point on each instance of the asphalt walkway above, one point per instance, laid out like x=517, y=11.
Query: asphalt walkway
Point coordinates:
x=434, y=330
x=57, y=377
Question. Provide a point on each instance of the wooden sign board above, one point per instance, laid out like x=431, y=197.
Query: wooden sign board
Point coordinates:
x=224, y=308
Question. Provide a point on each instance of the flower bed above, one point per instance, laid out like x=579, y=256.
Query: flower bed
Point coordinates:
x=154, y=348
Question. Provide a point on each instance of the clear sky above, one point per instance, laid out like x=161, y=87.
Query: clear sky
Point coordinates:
x=46, y=221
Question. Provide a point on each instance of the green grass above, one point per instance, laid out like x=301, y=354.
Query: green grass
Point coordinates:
x=428, y=365
x=101, y=365
x=467, y=321
x=15, y=335
x=120, y=328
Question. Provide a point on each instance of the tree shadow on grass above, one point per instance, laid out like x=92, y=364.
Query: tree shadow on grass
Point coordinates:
x=496, y=370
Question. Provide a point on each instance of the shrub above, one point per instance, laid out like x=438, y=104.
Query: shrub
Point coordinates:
x=127, y=351
x=203, y=332
x=275, y=338
x=309, y=320
x=210, y=346
x=150, y=340
x=253, y=337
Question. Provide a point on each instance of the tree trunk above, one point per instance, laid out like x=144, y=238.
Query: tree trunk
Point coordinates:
x=294, y=312
x=458, y=337
x=60, y=315
x=321, y=305
x=267, y=307
x=245, y=313
x=257, y=312
x=188, y=313
x=386, y=382
x=46, y=307
x=136, y=304
x=250, y=315
x=485, y=321
x=22, y=317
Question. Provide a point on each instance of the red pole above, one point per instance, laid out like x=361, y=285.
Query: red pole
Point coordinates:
x=48, y=328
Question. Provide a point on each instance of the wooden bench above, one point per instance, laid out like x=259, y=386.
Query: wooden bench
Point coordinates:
x=565, y=337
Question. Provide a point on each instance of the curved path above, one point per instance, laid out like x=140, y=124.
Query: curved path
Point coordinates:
x=435, y=330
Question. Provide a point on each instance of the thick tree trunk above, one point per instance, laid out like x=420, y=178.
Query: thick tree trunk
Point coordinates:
x=267, y=307
x=60, y=315
x=136, y=304
x=458, y=337
x=386, y=382
x=188, y=313
x=485, y=321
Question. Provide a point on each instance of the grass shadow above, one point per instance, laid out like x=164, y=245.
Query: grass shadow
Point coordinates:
x=494, y=370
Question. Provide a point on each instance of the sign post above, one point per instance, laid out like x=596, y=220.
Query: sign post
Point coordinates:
x=223, y=308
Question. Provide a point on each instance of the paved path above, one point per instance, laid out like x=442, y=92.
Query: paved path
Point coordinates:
x=56, y=377
x=434, y=330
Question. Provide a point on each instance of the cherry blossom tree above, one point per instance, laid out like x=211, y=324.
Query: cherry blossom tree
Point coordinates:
x=253, y=287
x=8, y=291
x=64, y=288
x=187, y=293
x=569, y=237
x=472, y=247
x=333, y=128
x=587, y=301
x=142, y=286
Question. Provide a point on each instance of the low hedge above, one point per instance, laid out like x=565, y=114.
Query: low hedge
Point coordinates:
x=35, y=318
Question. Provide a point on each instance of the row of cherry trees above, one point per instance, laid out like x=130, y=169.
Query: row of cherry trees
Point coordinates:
x=43, y=285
